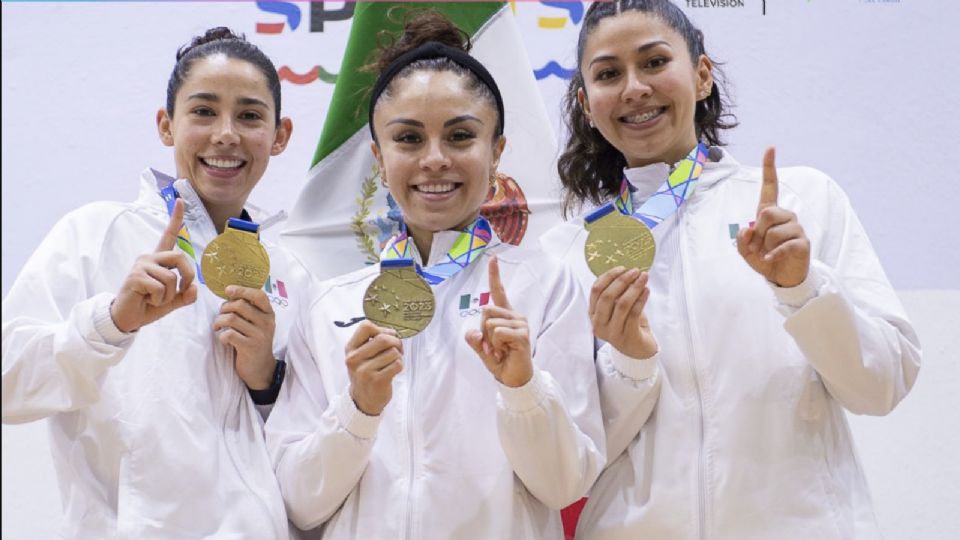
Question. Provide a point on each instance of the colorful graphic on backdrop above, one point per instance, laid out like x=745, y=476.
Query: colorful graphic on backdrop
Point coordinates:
x=575, y=12
x=575, y=15
x=506, y=209
x=320, y=13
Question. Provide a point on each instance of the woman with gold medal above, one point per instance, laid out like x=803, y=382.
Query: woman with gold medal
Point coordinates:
x=155, y=376
x=426, y=421
x=771, y=311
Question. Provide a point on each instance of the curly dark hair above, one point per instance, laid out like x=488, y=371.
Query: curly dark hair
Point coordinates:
x=221, y=40
x=590, y=167
x=422, y=26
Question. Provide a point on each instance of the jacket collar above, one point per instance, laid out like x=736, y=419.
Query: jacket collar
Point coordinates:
x=151, y=181
x=441, y=244
x=645, y=180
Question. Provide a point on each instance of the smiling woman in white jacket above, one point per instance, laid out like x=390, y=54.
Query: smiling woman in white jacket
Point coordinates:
x=487, y=422
x=770, y=308
x=150, y=383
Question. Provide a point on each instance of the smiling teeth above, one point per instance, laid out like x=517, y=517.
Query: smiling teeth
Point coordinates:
x=223, y=163
x=640, y=118
x=435, y=188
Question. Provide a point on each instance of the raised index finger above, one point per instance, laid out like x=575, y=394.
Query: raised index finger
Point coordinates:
x=169, y=237
x=770, y=188
x=497, y=292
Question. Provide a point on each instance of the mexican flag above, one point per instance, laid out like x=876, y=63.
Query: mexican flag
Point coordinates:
x=344, y=216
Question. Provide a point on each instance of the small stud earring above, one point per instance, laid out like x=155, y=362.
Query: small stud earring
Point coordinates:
x=592, y=125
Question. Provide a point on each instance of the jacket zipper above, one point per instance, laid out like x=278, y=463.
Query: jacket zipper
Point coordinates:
x=701, y=498
x=411, y=366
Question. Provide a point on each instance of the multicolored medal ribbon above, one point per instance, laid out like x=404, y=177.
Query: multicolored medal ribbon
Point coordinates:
x=401, y=297
x=623, y=238
x=466, y=248
x=170, y=196
x=235, y=257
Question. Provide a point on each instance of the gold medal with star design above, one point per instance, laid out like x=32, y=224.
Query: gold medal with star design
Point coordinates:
x=399, y=299
x=235, y=257
x=618, y=240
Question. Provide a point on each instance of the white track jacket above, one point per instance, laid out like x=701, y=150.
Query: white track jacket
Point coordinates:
x=153, y=434
x=455, y=455
x=748, y=439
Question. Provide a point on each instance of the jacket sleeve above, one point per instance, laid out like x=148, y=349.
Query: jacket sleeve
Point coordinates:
x=629, y=390
x=551, y=429
x=629, y=387
x=847, y=319
x=58, y=336
x=319, y=446
x=295, y=278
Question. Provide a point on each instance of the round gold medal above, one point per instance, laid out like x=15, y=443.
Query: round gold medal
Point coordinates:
x=619, y=240
x=400, y=299
x=235, y=257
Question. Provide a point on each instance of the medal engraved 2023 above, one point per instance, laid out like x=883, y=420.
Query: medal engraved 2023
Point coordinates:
x=400, y=299
x=619, y=240
x=236, y=257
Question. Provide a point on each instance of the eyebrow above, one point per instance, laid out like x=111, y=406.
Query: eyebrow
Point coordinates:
x=405, y=121
x=448, y=123
x=207, y=96
x=251, y=101
x=461, y=118
x=643, y=48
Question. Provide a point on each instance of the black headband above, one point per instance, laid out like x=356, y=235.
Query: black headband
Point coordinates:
x=427, y=51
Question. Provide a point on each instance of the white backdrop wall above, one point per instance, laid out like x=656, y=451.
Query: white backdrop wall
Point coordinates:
x=865, y=90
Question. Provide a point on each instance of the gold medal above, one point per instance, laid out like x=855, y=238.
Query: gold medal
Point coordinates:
x=236, y=257
x=400, y=299
x=619, y=240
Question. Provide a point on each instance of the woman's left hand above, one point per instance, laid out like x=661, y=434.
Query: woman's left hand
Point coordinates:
x=503, y=342
x=248, y=324
x=617, y=299
x=775, y=246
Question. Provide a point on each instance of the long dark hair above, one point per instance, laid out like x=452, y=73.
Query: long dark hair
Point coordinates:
x=590, y=167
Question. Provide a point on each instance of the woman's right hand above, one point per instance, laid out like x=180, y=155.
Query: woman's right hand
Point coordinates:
x=617, y=300
x=374, y=358
x=150, y=290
